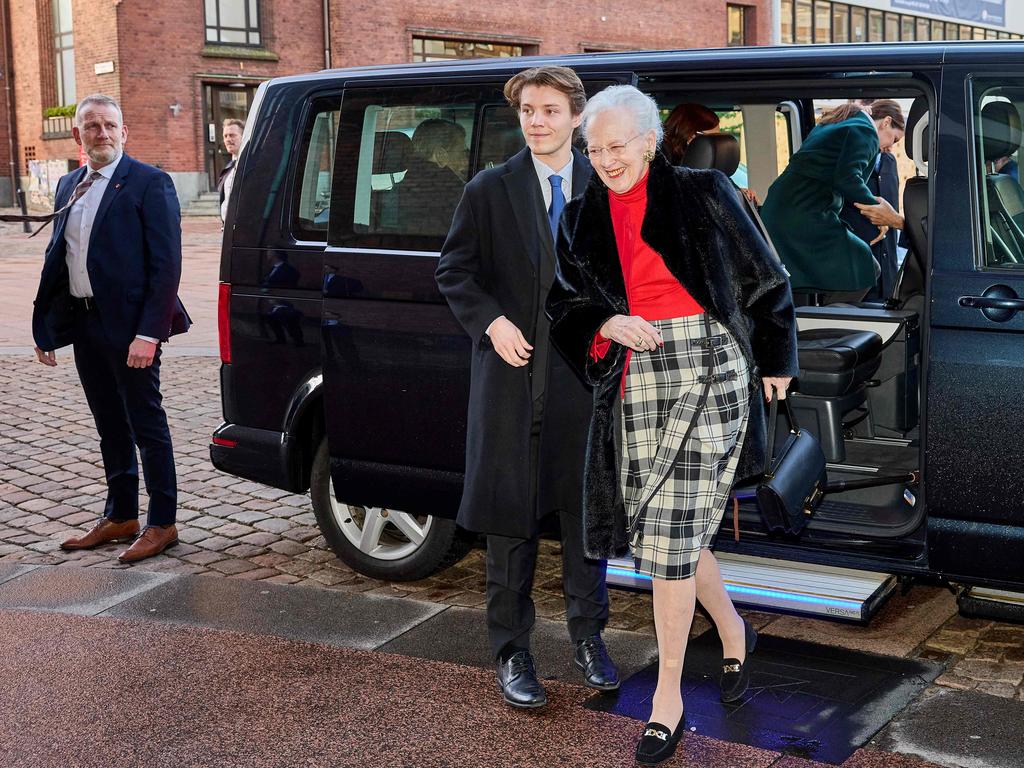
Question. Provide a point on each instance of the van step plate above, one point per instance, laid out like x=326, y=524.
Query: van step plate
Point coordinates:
x=802, y=588
x=988, y=603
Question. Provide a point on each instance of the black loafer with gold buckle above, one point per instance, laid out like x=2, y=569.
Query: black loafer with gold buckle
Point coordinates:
x=736, y=673
x=658, y=743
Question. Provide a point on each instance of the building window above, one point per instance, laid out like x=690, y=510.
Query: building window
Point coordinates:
x=804, y=21
x=786, y=20
x=822, y=22
x=64, y=52
x=840, y=23
x=876, y=27
x=892, y=27
x=235, y=22
x=737, y=25
x=434, y=49
x=907, y=28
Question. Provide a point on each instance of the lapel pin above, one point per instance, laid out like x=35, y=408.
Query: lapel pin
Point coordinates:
x=117, y=186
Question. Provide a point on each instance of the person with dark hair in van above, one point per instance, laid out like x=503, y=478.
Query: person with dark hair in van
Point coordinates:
x=803, y=204
x=528, y=410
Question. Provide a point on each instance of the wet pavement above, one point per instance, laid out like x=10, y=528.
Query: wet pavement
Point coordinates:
x=240, y=536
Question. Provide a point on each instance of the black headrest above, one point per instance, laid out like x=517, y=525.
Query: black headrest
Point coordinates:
x=391, y=152
x=1000, y=129
x=918, y=110
x=713, y=150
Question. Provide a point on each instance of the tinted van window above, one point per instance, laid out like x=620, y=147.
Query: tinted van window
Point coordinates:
x=997, y=121
x=311, y=199
x=410, y=159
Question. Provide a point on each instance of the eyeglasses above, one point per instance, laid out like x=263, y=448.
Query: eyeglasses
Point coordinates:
x=614, y=150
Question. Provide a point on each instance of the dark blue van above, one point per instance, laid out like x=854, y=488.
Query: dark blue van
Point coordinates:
x=344, y=372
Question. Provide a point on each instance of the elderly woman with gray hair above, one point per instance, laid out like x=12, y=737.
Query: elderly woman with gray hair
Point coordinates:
x=671, y=305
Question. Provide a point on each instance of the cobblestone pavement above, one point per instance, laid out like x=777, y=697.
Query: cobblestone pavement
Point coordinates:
x=51, y=483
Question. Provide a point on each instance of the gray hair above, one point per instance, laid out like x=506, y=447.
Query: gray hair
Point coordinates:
x=100, y=99
x=642, y=108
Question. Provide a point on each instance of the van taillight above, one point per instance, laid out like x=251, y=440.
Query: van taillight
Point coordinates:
x=224, y=322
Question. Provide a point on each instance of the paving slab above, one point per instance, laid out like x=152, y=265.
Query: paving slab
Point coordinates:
x=84, y=591
x=966, y=729
x=459, y=635
x=306, y=613
x=10, y=571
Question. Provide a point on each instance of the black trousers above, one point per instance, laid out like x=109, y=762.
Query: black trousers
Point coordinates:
x=126, y=405
x=511, y=563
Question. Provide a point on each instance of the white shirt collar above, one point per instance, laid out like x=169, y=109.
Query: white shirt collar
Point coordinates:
x=107, y=171
x=544, y=170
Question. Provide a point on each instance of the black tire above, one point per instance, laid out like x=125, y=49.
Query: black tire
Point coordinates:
x=398, y=557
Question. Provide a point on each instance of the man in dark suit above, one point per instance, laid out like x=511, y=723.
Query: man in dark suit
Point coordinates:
x=884, y=183
x=232, y=136
x=528, y=411
x=109, y=287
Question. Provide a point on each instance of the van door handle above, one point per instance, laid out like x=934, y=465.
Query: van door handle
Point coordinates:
x=990, y=302
x=998, y=303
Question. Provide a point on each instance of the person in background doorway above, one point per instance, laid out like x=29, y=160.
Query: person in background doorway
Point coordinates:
x=232, y=136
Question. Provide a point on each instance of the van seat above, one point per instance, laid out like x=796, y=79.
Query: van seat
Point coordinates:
x=834, y=362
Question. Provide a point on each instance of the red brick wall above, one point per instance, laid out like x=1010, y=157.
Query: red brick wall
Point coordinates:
x=158, y=51
x=368, y=32
x=162, y=63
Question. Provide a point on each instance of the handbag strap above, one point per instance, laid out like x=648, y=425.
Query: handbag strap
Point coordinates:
x=773, y=426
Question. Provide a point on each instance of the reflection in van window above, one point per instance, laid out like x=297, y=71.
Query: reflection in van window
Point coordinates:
x=312, y=201
x=412, y=165
x=997, y=119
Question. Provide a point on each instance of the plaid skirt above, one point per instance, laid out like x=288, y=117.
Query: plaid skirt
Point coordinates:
x=682, y=432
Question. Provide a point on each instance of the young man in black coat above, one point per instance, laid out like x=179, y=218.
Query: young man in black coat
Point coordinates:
x=528, y=411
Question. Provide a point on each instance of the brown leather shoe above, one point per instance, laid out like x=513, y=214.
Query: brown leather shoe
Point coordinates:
x=152, y=541
x=104, y=531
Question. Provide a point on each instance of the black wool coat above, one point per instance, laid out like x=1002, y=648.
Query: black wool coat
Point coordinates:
x=499, y=259
x=695, y=221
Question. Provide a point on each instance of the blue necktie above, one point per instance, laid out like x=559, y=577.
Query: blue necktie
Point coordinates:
x=557, y=204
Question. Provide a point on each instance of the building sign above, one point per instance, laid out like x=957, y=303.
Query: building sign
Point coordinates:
x=991, y=12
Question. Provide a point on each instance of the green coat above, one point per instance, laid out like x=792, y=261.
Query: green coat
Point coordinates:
x=802, y=209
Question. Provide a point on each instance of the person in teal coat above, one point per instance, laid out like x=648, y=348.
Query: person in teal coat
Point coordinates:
x=801, y=211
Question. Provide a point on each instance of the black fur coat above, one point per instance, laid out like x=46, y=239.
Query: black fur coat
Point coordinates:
x=695, y=221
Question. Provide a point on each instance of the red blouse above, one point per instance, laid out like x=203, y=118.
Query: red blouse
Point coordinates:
x=652, y=291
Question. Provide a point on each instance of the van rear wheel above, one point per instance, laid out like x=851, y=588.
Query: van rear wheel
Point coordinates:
x=383, y=543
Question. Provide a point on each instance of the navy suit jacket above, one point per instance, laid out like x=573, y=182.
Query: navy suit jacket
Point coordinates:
x=134, y=261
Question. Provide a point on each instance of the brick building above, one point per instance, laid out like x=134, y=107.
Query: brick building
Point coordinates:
x=179, y=67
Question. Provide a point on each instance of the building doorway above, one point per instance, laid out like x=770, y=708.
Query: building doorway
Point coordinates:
x=221, y=103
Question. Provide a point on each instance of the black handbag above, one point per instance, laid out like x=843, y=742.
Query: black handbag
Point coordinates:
x=793, y=480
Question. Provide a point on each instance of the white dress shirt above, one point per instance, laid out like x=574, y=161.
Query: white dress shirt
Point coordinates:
x=79, y=228
x=544, y=171
x=229, y=183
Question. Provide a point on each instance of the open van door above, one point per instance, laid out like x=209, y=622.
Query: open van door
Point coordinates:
x=975, y=369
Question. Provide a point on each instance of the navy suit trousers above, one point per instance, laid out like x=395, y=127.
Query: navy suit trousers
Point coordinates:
x=126, y=404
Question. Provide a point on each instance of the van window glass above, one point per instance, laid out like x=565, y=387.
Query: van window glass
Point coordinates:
x=311, y=198
x=997, y=130
x=406, y=152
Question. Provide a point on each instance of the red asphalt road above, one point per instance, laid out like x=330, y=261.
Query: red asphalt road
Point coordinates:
x=77, y=691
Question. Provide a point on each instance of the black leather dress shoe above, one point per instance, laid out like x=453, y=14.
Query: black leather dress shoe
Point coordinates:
x=518, y=681
x=599, y=670
x=658, y=743
x=736, y=674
